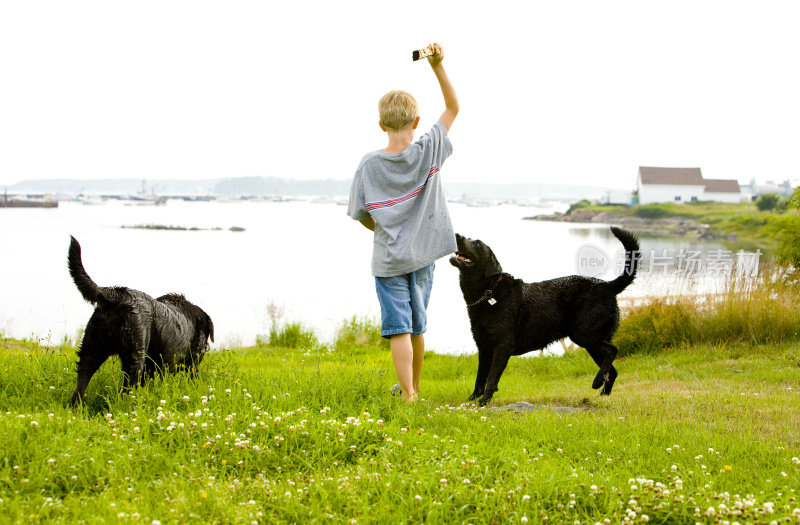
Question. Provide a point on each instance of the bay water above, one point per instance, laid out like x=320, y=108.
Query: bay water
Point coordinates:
x=296, y=261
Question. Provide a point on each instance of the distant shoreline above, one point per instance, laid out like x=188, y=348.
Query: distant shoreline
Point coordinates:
x=179, y=228
x=676, y=226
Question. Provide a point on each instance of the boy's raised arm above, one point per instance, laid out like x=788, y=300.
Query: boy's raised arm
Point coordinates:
x=448, y=92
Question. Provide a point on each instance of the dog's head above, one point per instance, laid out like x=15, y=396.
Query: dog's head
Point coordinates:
x=474, y=259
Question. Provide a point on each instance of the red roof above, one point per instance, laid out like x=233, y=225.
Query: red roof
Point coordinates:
x=687, y=177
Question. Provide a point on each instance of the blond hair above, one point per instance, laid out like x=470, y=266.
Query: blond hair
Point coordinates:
x=397, y=110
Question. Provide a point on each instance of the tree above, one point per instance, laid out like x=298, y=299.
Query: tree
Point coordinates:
x=786, y=228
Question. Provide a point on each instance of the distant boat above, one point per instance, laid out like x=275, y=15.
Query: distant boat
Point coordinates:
x=146, y=200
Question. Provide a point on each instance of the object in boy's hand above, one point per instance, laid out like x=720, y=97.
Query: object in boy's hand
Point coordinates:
x=423, y=53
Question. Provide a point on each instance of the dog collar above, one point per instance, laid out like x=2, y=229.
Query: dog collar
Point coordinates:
x=487, y=296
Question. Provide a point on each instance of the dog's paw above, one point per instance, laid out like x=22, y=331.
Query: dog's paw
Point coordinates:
x=608, y=385
x=598, y=381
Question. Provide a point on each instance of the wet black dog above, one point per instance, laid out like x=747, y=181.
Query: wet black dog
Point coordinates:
x=147, y=334
x=509, y=317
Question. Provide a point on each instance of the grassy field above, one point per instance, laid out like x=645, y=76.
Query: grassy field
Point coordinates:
x=701, y=433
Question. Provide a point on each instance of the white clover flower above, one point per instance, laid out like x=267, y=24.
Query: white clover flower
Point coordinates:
x=185, y=399
x=418, y=499
x=163, y=402
x=34, y=424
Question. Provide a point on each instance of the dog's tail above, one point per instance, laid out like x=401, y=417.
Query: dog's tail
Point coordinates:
x=631, y=245
x=88, y=288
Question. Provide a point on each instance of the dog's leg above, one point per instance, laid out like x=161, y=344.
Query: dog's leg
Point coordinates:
x=597, y=356
x=608, y=384
x=484, y=363
x=604, y=353
x=87, y=366
x=499, y=362
x=133, y=372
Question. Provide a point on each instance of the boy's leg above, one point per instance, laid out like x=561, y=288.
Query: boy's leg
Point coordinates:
x=403, y=355
x=396, y=325
x=418, y=346
x=421, y=284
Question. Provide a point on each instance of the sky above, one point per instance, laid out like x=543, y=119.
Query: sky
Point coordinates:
x=572, y=92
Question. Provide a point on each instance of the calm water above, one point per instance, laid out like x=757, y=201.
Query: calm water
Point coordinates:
x=309, y=261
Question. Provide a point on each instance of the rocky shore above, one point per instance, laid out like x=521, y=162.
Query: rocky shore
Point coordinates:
x=666, y=226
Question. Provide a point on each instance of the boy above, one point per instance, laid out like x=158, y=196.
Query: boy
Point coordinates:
x=397, y=194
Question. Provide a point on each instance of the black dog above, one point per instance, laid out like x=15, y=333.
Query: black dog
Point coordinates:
x=145, y=333
x=509, y=317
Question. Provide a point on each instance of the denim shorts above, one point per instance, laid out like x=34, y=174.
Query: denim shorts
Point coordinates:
x=404, y=301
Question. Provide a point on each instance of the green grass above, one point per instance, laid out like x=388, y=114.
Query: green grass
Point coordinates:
x=279, y=435
x=292, y=335
x=360, y=331
x=762, y=312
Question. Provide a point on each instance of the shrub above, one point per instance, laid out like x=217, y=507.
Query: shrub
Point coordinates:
x=768, y=202
x=764, y=313
x=360, y=331
x=577, y=205
x=292, y=335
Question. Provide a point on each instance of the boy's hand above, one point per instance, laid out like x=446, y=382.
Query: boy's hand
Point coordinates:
x=438, y=55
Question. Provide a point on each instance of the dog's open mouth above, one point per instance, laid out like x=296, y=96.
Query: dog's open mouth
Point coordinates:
x=459, y=259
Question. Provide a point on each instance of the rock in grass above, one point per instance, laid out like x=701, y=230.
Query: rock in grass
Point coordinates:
x=524, y=406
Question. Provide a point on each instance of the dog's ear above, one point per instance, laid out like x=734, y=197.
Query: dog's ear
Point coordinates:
x=492, y=266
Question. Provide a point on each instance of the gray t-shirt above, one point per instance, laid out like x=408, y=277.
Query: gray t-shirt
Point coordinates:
x=403, y=193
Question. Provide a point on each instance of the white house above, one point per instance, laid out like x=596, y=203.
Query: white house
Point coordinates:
x=683, y=185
